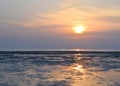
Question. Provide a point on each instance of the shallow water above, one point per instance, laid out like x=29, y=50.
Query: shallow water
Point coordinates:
x=60, y=69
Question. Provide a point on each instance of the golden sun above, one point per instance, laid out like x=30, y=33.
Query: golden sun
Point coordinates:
x=79, y=29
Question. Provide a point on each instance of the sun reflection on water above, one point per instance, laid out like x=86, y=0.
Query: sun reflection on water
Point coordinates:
x=79, y=68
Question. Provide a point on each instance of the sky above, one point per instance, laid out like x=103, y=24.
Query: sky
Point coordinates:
x=48, y=24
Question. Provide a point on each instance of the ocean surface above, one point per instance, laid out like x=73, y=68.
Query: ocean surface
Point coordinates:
x=60, y=68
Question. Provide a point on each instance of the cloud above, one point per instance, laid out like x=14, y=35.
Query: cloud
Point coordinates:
x=112, y=19
x=111, y=34
x=66, y=14
x=69, y=13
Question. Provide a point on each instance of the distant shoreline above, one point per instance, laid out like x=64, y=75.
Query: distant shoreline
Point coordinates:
x=59, y=52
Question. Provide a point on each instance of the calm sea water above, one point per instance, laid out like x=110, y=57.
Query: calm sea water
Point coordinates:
x=60, y=68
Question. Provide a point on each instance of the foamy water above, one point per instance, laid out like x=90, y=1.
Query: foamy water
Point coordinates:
x=61, y=68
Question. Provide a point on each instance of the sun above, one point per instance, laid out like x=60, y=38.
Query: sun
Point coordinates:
x=79, y=29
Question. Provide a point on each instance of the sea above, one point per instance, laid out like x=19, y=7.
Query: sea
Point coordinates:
x=72, y=67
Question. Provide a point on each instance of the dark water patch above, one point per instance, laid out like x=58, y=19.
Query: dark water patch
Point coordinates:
x=42, y=62
x=55, y=83
x=6, y=84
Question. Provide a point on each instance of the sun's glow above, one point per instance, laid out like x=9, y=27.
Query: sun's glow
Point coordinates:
x=79, y=29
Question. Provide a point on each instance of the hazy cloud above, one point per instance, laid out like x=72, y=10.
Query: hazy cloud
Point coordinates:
x=112, y=19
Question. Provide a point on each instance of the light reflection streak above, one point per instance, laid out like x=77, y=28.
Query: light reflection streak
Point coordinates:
x=79, y=68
